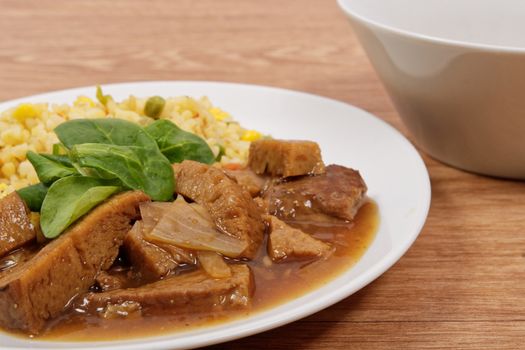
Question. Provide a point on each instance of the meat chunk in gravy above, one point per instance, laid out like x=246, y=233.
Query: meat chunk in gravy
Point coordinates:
x=40, y=288
x=150, y=261
x=285, y=158
x=335, y=195
x=16, y=258
x=190, y=292
x=288, y=243
x=106, y=281
x=15, y=225
x=230, y=206
x=248, y=180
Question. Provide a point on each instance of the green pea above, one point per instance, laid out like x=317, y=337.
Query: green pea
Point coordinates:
x=154, y=106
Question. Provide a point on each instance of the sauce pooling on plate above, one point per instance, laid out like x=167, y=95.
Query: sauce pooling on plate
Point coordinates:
x=275, y=284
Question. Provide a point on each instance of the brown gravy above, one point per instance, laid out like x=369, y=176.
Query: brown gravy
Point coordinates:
x=275, y=284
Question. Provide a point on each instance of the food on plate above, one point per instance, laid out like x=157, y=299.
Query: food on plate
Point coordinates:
x=292, y=158
x=286, y=242
x=15, y=223
x=334, y=195
x=30, y=127
x=143, y=223
x=229, y=206
x=190, y=292
x=38, y=290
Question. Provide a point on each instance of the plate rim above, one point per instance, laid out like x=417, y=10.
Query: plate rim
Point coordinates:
x=376, y=270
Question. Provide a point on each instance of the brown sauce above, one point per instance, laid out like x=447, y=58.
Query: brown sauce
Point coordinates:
x=275, y=284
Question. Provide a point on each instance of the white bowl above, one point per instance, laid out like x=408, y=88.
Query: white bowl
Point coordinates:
x=455, y=70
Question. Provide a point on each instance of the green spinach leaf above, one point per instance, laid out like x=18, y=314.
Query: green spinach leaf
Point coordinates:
x=59, y=149
x=177, y=144
x=132, y=154
x=49, y=168
x=137, y=167
x=59, y=158
x=33, y=195
x=70, y=198
x=107, y=131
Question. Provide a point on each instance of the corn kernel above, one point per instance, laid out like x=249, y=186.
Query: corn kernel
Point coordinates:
x=19, y=151
x=95, y=113
x=30, y=123
x=219, y=114
x=130, y=104
x=251, y=135
x=84, y=101
x=38, y=131
x=17, y=184
x=5, y=192
x=53, y=121
x=25, y=111
x=13, y=135
x=127, y=115
x=189, y=104
x=3, y=187
x=8, y=169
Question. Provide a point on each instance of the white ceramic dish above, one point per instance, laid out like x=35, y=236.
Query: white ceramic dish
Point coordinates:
x=455, y=70
x=396, y=176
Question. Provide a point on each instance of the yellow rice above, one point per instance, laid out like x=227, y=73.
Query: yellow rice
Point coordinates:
x=30, y=127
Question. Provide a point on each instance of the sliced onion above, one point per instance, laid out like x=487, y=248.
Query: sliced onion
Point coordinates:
x=191, y=227
x=214, y=264
x=152, y=212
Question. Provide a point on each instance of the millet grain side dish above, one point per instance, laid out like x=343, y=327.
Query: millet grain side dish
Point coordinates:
x=29, y=127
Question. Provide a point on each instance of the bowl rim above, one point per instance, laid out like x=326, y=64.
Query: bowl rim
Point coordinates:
x=350, y=12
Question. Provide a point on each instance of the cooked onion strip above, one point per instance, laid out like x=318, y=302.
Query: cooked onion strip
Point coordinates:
x=152, y=212
x=189, y=226
x=214, y=264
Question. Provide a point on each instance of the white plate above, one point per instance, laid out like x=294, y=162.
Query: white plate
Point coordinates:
x=396, y=176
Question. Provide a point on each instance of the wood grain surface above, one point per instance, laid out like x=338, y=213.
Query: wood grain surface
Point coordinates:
x=460, y=286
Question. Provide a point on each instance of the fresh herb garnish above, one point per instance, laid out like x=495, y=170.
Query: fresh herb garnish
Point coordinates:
x=33, y=195
x=136, y=167
x=70, y=198
x=97, y=158
x=122, y=149
x=48, y=168
x=107, y=131
x=177, y=144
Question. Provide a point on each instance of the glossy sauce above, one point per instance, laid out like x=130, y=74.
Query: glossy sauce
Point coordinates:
x=274, y=284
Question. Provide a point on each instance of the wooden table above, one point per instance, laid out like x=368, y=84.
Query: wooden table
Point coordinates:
x=460, y=286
